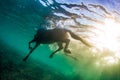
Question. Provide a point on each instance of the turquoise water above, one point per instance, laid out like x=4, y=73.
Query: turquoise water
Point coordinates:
x=18, y=22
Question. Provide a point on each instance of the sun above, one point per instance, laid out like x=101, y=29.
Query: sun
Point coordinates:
x=107, y=41
x=111, y=33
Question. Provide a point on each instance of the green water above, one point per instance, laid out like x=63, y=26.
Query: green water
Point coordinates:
x=18, y=20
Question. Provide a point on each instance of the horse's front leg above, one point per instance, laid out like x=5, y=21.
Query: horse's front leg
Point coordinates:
x=26, y=57
x=31, y=42
x=30, y=45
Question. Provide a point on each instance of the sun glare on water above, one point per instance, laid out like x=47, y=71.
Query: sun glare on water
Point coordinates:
x=107, y=42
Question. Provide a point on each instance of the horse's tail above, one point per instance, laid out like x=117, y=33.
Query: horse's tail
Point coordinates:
x=79, y=38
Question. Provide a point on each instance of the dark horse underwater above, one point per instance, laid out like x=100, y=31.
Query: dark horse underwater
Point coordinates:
x=59, y=36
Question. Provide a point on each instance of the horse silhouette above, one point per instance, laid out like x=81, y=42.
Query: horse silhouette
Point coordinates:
x=59, y=36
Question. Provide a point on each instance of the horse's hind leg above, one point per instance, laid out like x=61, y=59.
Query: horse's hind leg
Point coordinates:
x=66, y=46
x=60, y=47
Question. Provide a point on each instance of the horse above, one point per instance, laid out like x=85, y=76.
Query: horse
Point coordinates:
x=60, y=36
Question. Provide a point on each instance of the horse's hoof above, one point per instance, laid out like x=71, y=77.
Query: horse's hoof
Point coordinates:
x=30, y=48
x=67, y=51
x=50, y=56
x=24, y=59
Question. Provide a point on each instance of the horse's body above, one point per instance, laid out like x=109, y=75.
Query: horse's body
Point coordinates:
x=53, y=35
